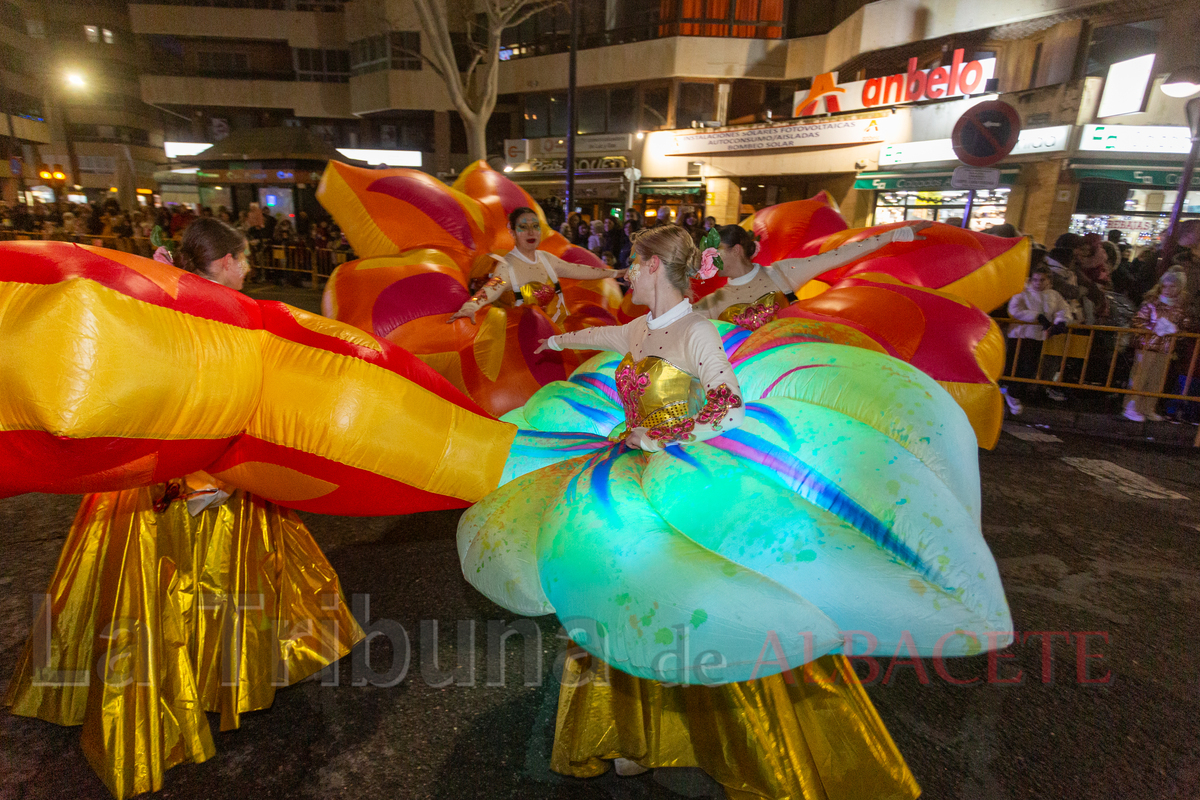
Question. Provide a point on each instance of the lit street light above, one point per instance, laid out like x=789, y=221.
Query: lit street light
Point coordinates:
x=76, y=80
x=1181, y=83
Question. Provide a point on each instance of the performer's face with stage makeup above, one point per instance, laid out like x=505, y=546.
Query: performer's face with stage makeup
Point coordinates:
x=528, y=232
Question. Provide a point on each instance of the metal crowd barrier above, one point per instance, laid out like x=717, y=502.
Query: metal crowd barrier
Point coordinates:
x=1101, y=358
x=269, y=260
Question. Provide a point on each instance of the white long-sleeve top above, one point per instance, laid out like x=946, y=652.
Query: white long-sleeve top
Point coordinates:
x=689, y=342
x=1030, y=304
x=789, y=274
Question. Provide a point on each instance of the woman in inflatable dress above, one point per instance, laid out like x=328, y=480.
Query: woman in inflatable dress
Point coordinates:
x=754, y=294
x=527, y=276
x=726, y=514
x=177, y=599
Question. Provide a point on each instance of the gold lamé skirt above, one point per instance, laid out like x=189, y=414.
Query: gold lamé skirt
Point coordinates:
x=152, y=619
x=810, y=734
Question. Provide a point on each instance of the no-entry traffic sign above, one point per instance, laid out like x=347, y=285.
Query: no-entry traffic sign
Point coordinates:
x=986, y=133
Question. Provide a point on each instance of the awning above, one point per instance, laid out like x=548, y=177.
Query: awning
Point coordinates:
x=671, y=187
x=919, y=181
x=1157, y=175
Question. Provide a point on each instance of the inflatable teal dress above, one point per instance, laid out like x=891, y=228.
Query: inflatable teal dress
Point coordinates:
x=839, y=516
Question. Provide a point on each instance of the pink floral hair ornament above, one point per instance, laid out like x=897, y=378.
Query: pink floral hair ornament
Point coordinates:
x=163, y=255
x=710, y=258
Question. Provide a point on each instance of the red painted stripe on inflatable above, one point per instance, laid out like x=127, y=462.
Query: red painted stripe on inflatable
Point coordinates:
x=429, y=197
x=100, y=464
x=54, y=262
x=359, y=493
x=278, y=320
x=947, y=353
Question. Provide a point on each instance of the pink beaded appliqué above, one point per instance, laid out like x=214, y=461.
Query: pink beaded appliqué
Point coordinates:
x=720, y=400
x=481, y=297
x=631, y=386
x=755, y=316
x=672, y=432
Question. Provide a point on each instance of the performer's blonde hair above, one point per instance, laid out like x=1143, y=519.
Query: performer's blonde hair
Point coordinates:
x=674, y=247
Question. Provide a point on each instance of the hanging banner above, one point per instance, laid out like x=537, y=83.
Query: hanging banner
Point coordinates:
x=804, y=134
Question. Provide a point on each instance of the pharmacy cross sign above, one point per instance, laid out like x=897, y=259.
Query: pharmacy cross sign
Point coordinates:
x=986, y=133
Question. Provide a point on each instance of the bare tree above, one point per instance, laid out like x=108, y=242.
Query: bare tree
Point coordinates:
x=473, y=89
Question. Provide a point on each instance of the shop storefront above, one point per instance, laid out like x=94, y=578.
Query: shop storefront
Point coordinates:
x=1134, y=199
x=601, y=185
x=929, y=195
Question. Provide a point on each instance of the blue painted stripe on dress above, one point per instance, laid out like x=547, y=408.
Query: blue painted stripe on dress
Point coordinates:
x=598, y=381
x=592, y=413
x=823, y=493
x=560, y=435
x=677, y=451
x=772, y=419
x=734, y=339
x=600, y=474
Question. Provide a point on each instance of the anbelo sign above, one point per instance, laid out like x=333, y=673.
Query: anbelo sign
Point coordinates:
x=956, y=79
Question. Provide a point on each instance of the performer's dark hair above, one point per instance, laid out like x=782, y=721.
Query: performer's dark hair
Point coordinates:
x=735, y=234
x=204, y=241
x=516, y=215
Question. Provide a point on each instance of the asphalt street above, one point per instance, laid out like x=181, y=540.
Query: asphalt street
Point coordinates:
x=1096, y=543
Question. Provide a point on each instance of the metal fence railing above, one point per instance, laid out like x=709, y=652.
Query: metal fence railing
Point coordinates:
x=1103, y=358
x=269, y=261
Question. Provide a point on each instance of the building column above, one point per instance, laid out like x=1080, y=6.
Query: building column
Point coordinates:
x=441, y=142
x=1050, y=194
x=723, y=200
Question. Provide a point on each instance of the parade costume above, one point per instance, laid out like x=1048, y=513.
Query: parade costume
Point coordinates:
x=755, y=298
x=426, y=249
x=188, y=612
x=173, y=597
x=779, y=492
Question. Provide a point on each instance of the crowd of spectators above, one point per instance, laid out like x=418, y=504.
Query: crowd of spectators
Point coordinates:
x=610, y=237
x=144, y=229
x=1097, y=281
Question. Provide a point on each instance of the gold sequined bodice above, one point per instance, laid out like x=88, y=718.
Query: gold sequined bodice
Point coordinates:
x=656, y=394
x=768, y=305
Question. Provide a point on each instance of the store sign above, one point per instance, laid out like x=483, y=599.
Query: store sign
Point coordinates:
x=927, y=182
x=257, y=176
x=519, y=151
x=939, y=83
x=1032, y=141
x=1136, y=139
x=1165, y=178
x=805, y=134
x=560, y=164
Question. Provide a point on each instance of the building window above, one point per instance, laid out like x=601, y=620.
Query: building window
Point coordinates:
x=91, y=33
x=106, y=35
x=656, y=106
x=1120, y=43
x=223, y=63
x=406, y=50
x=322, y=66
x=396, y=50
x=695, y=104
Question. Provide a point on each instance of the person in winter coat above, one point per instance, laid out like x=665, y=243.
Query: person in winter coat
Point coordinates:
x=1163, y=314
x=1045, y=313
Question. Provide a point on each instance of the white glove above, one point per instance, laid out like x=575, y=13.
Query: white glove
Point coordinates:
x=1164, y=327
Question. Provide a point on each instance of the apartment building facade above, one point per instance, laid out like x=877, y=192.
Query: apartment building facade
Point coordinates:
x=714, y=105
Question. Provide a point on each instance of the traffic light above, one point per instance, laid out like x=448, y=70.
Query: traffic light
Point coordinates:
x=60, y=174
x=44, y=173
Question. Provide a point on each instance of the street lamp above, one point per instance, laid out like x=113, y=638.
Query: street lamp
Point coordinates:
x=1181, y=83
x=74, y=80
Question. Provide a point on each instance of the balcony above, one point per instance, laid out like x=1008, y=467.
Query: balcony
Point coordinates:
x=304, y=99
x=549, y=32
